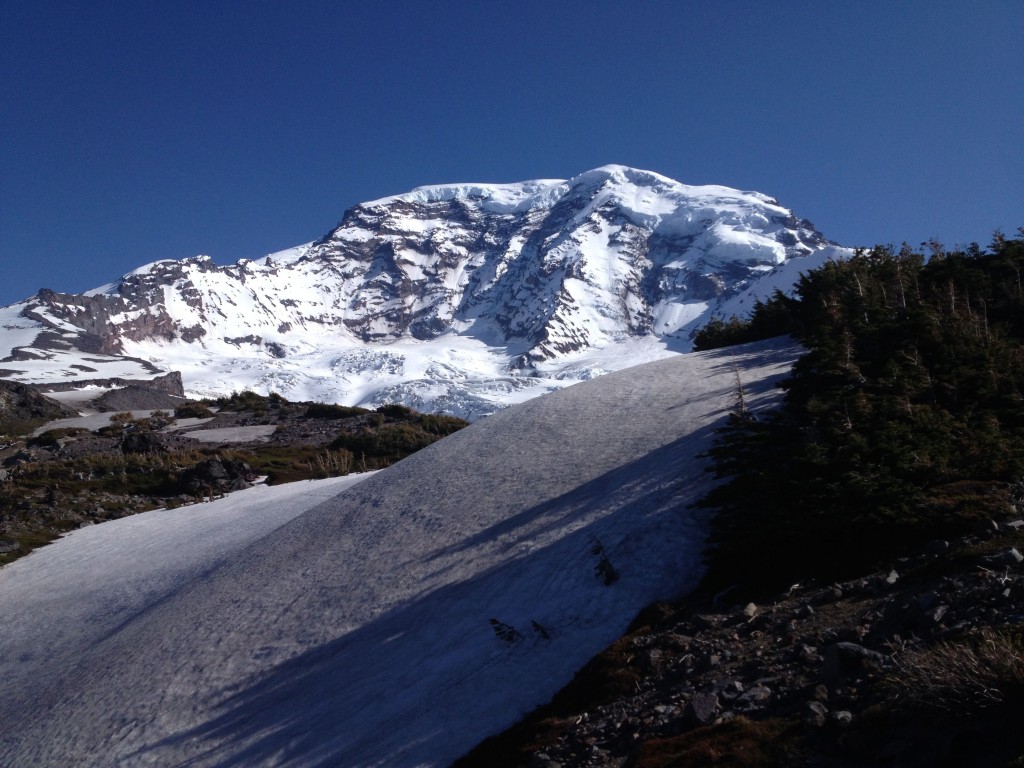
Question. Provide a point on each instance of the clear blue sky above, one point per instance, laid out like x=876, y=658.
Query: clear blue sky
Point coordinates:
x=136, y=131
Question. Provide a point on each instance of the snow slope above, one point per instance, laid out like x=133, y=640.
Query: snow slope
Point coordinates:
x=74, y=593
x=359, y=633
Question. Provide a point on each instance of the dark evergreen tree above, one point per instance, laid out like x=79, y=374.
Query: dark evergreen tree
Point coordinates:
x=906, y=407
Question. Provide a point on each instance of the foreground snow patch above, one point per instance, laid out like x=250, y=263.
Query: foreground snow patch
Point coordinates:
x=362, y=632
x=67, y=596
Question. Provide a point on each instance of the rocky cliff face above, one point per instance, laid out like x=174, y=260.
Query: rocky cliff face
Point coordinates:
x=23, y=407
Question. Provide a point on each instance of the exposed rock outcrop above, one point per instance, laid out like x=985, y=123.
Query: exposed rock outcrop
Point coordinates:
x=22, y=405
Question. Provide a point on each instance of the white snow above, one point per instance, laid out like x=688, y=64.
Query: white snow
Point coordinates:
x=91, y=421
x=499, y=198
x=359, y=633
x=79, y=399
x=782, y=278
x=78, y=590
x=16, y=331
x=256, y=433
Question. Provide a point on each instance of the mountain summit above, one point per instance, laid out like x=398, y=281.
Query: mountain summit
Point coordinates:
x=461, y=297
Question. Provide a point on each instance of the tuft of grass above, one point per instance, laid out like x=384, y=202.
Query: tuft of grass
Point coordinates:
x=962, y=678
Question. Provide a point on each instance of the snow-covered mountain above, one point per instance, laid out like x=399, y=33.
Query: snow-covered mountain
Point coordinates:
x=459, y=298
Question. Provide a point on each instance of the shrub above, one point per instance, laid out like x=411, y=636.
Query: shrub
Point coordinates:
x=395, y=411
x=437, y=424
x=49, y=438
x=250, y=401
x=332, y=411
x=193, y=411
x=392, y=441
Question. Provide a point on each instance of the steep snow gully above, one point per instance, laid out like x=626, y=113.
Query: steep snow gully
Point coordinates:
x=360, y=633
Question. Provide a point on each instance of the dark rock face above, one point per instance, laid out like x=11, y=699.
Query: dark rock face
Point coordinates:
x=167, y=384
x=136, y=398
x=142, y=442
x=217, y=475
x=22, y=403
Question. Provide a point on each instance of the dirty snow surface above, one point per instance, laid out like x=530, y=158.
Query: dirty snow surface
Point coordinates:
x=233, y=434
x=359, y=632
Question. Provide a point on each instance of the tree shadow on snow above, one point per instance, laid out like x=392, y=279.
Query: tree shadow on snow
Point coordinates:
x=423, y=682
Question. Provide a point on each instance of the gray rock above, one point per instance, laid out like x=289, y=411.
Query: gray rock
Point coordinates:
x=841, y=659
x=542, y=760
x=858, y=652
x=937, y=547
x=809, y=654
x=842, y=717
x=816, y=714
x=138, y=397
x=703, y=707
x=756, y=697
x=731, y=689
x=935, y=614
x=1011, y=557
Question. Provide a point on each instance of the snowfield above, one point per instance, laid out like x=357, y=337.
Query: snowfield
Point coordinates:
x=257, y=631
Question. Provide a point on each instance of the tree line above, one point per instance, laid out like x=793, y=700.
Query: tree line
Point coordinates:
x=902, y=422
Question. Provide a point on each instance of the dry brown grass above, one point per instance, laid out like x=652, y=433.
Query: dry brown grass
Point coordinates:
x=963, y=677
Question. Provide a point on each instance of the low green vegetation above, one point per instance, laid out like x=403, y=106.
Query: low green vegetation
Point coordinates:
x=193, y=410
x=52, y=437
x=248, y=400
x=332, y=411
x=736, y=743
x=903, y=422
x=67, y=477
x=408, y=432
